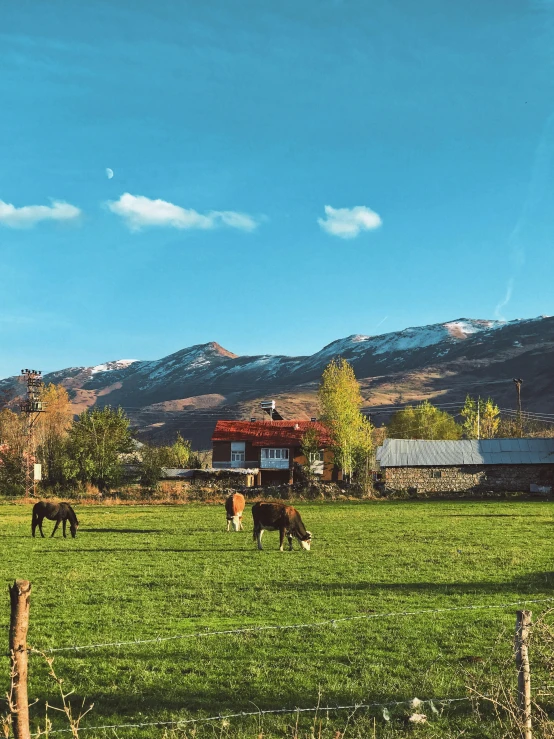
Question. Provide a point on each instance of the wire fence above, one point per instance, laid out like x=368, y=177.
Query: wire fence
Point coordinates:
x=333, y=622
x=412, y=703
x=437, y=705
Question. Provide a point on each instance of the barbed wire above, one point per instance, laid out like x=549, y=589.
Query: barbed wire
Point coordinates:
x=288, y=627
x=415, y=702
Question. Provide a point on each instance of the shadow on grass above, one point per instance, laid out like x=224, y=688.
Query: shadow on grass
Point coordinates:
x=154, y=702
x=120, y=531
x=526, y=585
x=143, y=550
x=485, y=515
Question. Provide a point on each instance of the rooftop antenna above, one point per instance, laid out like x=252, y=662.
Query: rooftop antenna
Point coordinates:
x=269, y=407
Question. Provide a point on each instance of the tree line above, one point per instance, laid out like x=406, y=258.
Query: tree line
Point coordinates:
x=354, y=439
x=97, y=446
x=94, y=448
x=479, y=419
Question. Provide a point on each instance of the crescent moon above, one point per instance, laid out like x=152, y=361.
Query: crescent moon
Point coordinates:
x=109, y=172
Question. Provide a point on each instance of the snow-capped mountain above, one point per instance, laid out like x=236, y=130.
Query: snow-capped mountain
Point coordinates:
x=410, y=339
x=190, y=389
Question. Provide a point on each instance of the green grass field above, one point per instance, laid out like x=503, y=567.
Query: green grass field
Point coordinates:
x=138, y=572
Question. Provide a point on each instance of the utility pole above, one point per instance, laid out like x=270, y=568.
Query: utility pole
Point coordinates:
x=518, y=383
x=32, y=406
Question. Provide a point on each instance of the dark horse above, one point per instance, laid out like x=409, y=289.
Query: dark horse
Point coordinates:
x=58, y=512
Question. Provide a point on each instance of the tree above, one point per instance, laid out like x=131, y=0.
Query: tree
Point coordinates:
x=52, y=434
x=423, y=421
x=490, y=419
x=154, y=458
x=470, y=422
x=340, y=400
x=96, y=440
x=310, y=448
x=481, y=418
x=180, y=453
x=13, y=448
x=363, y=455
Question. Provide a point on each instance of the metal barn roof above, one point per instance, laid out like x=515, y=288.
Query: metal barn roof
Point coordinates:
x=422, y=453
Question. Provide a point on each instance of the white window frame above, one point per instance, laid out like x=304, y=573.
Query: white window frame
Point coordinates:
x=238, y=451
x=317, y=456
x=275, y=453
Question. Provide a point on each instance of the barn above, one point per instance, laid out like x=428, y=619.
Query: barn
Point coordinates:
x=495, y=465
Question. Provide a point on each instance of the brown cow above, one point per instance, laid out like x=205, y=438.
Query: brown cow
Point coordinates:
x=234, y=505
x=281, y=517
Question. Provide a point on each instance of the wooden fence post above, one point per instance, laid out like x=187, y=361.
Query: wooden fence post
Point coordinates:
x=19, y=624
x=523, y=624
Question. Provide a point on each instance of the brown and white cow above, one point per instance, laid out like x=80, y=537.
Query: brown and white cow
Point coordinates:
x=234, y=506
x=283, y=518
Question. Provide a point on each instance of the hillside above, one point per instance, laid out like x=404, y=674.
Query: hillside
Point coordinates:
x=190, y=389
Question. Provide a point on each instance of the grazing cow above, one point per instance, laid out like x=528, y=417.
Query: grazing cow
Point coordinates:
x=281, y=517
x=234, y=505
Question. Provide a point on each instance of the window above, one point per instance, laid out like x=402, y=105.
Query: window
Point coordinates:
x=316, y=456
x=237, y=451
x=436, y=474
x=275, y=453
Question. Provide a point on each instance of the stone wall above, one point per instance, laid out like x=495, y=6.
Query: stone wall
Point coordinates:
x=470, y=478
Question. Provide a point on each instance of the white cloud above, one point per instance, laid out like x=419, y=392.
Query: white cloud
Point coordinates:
x=29, y=215
x=498, y=311
x=139, y=211
x=348, y=222
x=236, y=220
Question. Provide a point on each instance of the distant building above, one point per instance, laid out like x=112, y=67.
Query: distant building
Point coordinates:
x=498, y=465
x=272, y=448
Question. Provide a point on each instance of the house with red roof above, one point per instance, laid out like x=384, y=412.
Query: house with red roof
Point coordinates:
x=272, y=449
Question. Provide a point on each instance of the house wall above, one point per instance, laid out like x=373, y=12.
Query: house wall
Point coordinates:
x=330, y=472
x=221, y=452
x=468, y=478
x=251, y=455
x=221, y=456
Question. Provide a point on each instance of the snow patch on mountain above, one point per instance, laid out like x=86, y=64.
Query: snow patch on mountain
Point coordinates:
x=118, y=364
x=255, y=363
x=463, y=327
x=409, y=339
x=264, y=367
x=185, y=363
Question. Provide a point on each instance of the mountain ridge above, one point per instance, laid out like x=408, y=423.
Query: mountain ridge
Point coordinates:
x=189, y=389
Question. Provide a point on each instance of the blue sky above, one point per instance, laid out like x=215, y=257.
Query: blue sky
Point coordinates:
x=284, y=173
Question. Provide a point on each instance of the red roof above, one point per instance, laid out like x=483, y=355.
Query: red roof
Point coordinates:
x=269, y=433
